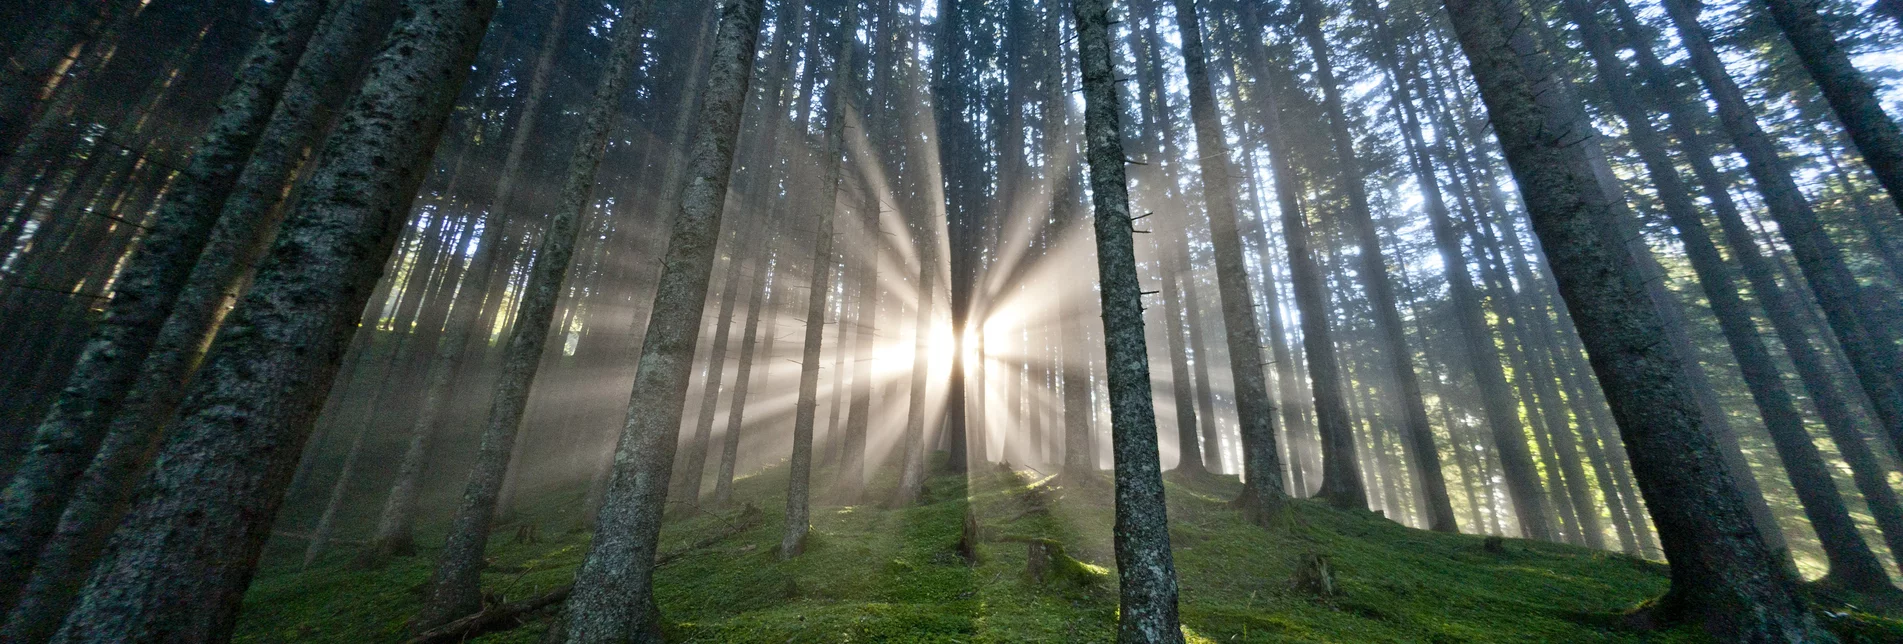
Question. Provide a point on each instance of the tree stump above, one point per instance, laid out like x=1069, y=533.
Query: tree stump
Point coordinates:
x=1315, y=576
x=968, y=539
x=1039, y=559
x=528, y=533
x=1494, y=544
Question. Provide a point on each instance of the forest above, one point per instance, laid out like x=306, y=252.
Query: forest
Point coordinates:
x=592, y=321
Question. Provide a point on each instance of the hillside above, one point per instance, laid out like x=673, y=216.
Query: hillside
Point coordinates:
x=878, y=575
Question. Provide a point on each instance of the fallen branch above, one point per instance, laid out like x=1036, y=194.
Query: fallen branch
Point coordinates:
x=502, y=617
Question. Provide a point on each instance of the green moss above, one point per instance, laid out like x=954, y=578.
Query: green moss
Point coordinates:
x=872, y=574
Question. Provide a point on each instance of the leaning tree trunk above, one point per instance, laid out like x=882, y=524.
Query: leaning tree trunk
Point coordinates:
x=1263, y=496
x=614, y=589
x=1850, y=93
x=799, y=480
x=143, y=296
x=1851, y=561
x=244, y=231
x=912, y=446
x=1873, y=355
x=1722, y=573
x=224, y=464
x=1509, y=436
x=455, y=589
x=465, y=332
x=1417, y=434
x=1146, y=573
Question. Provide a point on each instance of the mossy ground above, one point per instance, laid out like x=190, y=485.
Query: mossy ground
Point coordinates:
x=893, y=575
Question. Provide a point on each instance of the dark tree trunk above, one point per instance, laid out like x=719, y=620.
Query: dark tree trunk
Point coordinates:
x=1145, y=571
x=455, y=588
x=1509, y=436
x=1872, y=354
x=1850, y=93
x=1263, y=497
x=1722, y=573
x=799, y=481
x=144, y=294
x=614, y=589
x=228, y=456
x=1851, y=561
x=1417, y=435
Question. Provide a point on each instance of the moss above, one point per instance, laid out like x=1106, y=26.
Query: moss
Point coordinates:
x=893, y=575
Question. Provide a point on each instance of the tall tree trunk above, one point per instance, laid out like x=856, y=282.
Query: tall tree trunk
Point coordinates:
x=1417, y=435
x=613, y=599
x=143, y=296
x=455, y=588
x=1263, y=495
x=466, y=334
x=1722, y=573
x=1850, y=93
x=1851, y=561
x=227, y=458
x=1146, y=573
x=244, y=231
x=1872, y=354
x=1509, y=436
x=799, y=480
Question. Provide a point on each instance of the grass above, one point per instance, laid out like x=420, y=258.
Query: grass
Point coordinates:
x=892, y=575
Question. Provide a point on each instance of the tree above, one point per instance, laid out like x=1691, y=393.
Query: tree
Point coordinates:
x=1417, y=434
x=455, y=588
x=613, y=598
x=1722, y=573
x=1145, y=571
x=143, y=297
x=1850, y=93
x=1262, y=496
x=799, y=483
x=221, y=472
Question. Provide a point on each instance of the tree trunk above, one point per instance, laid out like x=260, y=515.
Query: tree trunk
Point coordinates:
x=455, y=588
x=1872, y=354
x=799, y=481
x=1509, y=436
x=1263, y=495
x=1722, y=573
x=1850, y=93
x=239, y=429
x=1851, y=562
x=1146, y=573
x=144, y=294
x=614, y=589
x=1417, y=435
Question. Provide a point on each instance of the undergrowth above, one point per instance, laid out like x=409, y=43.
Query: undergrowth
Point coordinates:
x=873, y=574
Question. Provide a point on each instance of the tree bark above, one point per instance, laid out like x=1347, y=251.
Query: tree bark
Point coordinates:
x=455, y=588
x=223, y=466
x=1263, y=495
x=1146, y=573
x=144, y=294
x=1722, y=573
x=799, y=480
x=614, y=589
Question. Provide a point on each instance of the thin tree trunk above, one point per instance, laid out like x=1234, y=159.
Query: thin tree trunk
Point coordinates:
x=614, y=589
x=455, y=588
x=799, y=481
x=1146, y=573
x=1872, y=355
x=1263, y=495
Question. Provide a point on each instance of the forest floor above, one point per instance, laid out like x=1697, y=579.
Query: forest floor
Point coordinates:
x=895, y=575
